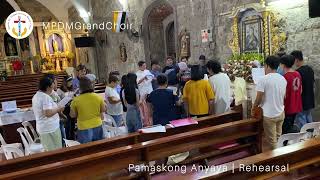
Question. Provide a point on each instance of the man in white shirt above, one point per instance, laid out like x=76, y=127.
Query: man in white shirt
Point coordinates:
x=221, y=85
x=114, y=106
x=144, y=79
x=271, y=90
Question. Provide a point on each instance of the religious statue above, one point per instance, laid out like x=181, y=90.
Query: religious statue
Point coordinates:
x=252, y=41
x=55, y=45
x=10, y=46
x=123, y=52
x=184, y=44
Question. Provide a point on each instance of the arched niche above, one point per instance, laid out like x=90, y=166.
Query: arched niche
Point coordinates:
x=61, y=37
x=155, y=15
x=10, y=45
x=272, y=38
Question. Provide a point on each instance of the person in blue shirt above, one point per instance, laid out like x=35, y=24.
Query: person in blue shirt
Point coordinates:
x=163, y=102
x=81, y=71
x=280, y=54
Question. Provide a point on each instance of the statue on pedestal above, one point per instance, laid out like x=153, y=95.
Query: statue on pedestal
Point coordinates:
x=184, y=44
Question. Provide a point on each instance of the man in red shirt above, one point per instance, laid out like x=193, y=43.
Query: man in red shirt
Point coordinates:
x=293, y=100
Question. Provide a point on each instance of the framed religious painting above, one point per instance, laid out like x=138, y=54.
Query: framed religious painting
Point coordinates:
x=251, y=40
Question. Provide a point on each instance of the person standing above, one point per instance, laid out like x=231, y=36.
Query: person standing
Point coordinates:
x=81, y=71
x=47, y=112
x=131, y=100
x=56, y=98
x=155, y=71
x=113, y=100
x=89, y=109
x=144, y=79
x=202, y=63
x=171, y=70
x=293, y=100
x=271, y=90
x=308, y=98
x=221, y=85
x=163, y=102
x=198, y=95
x=117, y=74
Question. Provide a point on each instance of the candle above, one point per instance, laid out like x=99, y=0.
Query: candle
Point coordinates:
x=31, y=65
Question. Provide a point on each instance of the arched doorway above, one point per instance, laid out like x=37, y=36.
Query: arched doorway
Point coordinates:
x=159, y=31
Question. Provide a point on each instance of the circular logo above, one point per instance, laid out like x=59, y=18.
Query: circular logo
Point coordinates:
x=19, y=24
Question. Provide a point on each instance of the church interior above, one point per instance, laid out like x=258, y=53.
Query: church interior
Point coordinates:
x=92, y=68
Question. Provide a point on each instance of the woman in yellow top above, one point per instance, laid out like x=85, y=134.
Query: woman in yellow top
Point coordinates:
x=198, y=95
x=88, y=108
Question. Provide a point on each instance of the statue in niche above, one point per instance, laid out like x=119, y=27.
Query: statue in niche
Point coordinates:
x=25, y=47
x=184, y=44
x=251, y=40
x=10, y=45
x=55, y=46
x=123, y=52
x=55, y=43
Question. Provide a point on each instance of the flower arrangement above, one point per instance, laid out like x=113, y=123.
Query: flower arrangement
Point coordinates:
x=17, y=65
x=240, y=65
x=70, y=55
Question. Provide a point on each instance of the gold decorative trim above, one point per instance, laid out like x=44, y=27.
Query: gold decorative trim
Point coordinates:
x=234, y=42
x=278, y=38
x=265, y=16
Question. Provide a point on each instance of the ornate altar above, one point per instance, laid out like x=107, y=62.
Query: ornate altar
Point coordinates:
x=57, y=50
x=256, y=33
x=13, y=52
x=256, y=29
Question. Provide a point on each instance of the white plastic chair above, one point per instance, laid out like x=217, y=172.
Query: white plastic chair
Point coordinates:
x=110, y=127
x=27, y=125
x=11, y=152
x=291, y=138
x=315, y=126
x=3, y=143
x=30, y=146
x=70, y=143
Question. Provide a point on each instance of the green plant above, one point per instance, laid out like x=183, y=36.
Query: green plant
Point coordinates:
x=246, y=57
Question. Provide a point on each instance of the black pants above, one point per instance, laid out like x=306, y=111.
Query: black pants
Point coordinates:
x=287, y=126
x=70, y=128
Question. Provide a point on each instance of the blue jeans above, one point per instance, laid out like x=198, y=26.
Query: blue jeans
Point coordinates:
x=89, y=135
x=303, y=118
x=117, y=119
x=133, y=118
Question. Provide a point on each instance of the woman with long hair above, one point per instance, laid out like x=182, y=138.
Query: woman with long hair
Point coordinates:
x=131, y=101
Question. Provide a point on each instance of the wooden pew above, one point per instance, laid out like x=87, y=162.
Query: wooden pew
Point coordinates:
x=94, y=165
x=24, y=98
x=126, y=140
x=293, y=157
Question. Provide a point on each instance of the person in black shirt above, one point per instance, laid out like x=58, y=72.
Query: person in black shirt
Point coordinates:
x=203, y=66
x=163, y=102
x=307, y=75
